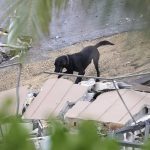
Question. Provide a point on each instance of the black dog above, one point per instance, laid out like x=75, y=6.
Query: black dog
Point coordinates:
x=79, y=61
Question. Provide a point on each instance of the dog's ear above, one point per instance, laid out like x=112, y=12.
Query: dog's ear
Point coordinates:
x=60, y=63
x=57, y=65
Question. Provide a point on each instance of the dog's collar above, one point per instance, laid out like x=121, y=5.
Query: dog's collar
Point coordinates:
x=67, y=59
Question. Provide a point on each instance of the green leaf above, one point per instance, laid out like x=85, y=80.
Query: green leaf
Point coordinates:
x=30, y=18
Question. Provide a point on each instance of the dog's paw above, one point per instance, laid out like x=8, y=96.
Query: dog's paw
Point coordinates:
x=97, y=80
x=59, y=76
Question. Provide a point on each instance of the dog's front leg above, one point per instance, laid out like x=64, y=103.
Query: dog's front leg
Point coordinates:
x=59, y=76
x=79, y=78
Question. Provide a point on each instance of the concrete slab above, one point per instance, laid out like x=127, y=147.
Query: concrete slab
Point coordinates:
x=11, y=96
x=108, y=107
x=44, y=104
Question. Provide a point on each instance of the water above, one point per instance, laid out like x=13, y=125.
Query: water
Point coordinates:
x=85, y=20
x=88, y=19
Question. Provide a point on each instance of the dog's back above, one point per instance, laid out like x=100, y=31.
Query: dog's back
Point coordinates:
x=90, y=52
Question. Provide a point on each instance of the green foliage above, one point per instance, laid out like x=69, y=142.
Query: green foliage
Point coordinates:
x=86, y=138
x=140, y=9
x=16, y=137
x=147, y=145
x=13, y=136
x=29, y=18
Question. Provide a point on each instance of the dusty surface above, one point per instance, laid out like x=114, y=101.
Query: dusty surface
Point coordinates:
x=131, y=53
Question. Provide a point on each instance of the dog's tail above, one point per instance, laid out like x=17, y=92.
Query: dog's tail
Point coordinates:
x=101, y=43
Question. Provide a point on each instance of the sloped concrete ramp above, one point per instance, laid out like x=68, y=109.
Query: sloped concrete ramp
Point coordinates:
x=10, y=95
x=108, y=107
x=52, y=98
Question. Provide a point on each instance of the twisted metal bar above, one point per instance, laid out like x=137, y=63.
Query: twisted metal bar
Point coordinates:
x=17, y=88
x=101, y=78
x=14, y=64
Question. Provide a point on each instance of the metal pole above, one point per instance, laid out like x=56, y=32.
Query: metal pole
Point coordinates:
x=74, y=75
x=147, y=129
x=123, y=102
x=15, y=64
x=1, y=130
x=101, y=78
x=130, y=144
x=12, y=46
x=17, y=88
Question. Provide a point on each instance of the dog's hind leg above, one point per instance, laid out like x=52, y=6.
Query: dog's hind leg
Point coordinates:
x=95, y=61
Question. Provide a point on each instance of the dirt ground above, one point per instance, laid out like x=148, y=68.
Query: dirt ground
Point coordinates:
x=130, y=54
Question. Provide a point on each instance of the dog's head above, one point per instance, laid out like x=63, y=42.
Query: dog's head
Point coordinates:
x=60, y=63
